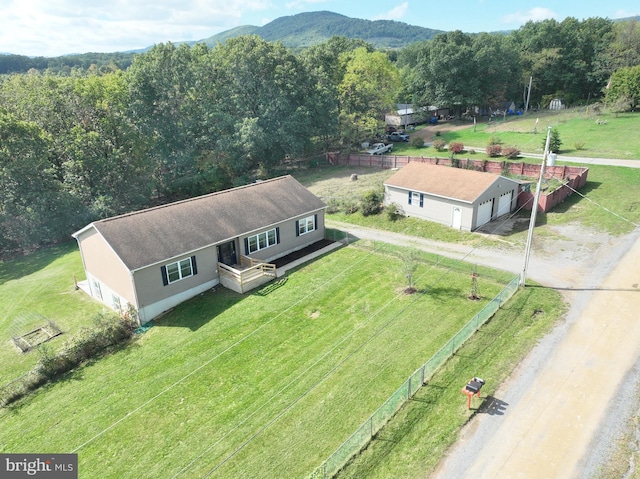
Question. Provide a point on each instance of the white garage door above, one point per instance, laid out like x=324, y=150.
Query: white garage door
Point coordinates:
x=504, y=204
x=484, y=213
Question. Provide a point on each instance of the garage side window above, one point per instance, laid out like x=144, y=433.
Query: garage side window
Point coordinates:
x=179, y=270
x=416, y=198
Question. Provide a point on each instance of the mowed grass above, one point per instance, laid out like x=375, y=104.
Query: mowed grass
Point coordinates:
x=262, y=385
x=583, y=133
x=40, y=284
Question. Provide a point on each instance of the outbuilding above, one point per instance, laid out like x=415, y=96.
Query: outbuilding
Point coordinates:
x=455, y=197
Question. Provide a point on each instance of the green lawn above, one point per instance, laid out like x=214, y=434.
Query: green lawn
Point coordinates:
x=579, y=130
x=262, y=385
x=40, y=284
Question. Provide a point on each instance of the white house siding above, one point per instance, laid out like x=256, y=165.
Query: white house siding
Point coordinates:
x=439, y=210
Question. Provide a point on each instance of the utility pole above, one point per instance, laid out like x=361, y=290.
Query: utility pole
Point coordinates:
x=534, y=211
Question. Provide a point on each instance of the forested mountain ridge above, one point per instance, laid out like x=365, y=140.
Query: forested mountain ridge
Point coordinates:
x=311, y=28
x=295, y=32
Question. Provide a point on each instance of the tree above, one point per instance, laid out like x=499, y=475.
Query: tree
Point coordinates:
x=265, y=99
x=446, y=73
x=554, y=141
x=367, y=91
x=324, y=64
x=625, y=87
x=34, y=207
x=410, y=258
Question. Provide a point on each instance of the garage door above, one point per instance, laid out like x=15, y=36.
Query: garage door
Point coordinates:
x=484, y=213
x=504, y=204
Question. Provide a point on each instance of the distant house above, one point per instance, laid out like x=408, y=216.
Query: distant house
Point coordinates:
x=455, y=197
x=157, y=258
x=406, y=115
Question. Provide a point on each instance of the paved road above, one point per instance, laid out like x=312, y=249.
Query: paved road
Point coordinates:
x=566, y=395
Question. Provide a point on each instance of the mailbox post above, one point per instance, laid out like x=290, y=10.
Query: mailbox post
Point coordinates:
x=472, y=388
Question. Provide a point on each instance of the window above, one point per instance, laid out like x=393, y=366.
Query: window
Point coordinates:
x=416, y=198
x=116, y=302
x=97, y=292
x=261, y=241
x=306, y=225
x=179, y=270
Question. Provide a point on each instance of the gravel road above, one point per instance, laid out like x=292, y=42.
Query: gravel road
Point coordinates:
x=572, y=396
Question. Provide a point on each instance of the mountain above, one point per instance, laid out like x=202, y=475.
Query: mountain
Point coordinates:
x=307, y=29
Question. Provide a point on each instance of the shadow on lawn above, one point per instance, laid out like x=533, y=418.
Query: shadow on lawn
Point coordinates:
x=20, y=266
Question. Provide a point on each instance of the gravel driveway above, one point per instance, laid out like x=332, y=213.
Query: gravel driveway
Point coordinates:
x=572, y=396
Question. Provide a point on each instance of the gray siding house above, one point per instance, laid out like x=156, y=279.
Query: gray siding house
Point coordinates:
x=461, y=199
x=155, y=259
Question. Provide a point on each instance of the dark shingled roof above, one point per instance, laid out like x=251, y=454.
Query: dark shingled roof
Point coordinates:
x=445, y=181
x=153, y=235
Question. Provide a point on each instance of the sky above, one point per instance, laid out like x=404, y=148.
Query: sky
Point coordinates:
x=58, y=27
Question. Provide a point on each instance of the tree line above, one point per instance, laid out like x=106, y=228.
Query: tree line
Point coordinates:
x=182, y=121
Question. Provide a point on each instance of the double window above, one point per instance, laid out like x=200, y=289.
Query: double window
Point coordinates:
x=306, y=225
x=261, y=240
x=182, y=269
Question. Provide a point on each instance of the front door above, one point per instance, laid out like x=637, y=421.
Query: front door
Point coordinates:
x=227, y=253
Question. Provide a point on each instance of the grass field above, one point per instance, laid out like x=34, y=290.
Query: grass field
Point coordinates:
x=262, y=385
x=583, y=133
x=40, y=284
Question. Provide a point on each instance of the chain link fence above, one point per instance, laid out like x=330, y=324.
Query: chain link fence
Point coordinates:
x=361, y=437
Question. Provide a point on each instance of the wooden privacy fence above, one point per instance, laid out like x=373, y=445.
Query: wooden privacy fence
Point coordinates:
x=575, y=177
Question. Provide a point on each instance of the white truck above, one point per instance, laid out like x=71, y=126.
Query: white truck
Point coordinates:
x=380, y=149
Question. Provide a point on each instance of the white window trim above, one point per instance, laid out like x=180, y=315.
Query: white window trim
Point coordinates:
x=267, y=241
x=303, y=225
x=178, y=265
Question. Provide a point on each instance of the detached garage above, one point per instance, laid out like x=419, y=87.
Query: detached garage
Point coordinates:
x=461, y=199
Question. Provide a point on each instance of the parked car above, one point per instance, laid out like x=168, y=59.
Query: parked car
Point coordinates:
x=397, y=136
x=380, y=149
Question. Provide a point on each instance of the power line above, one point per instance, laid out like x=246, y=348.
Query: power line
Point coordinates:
x=206, y=363
x=329, y=373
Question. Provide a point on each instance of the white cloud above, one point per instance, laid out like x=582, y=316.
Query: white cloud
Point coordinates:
x=301, y=4
x=43, y=27
x=624, y=14
x=534, y=15
x=396, y=13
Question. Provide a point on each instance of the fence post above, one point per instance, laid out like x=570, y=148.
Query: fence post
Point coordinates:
x=409, y=388
x=371, y=427
x=422, y=376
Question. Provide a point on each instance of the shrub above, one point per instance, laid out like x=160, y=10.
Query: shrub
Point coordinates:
x=393, y=211
x=511, y=152
x=494, y=150
x=439, y=144
x=456, y=147
x=350, y=206
x=494, y=140
x=371, y=203
x=333, y=206
x=579, y=145
x=417, y=142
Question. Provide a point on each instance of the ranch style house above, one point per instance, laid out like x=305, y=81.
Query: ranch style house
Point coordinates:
x=154, y=259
